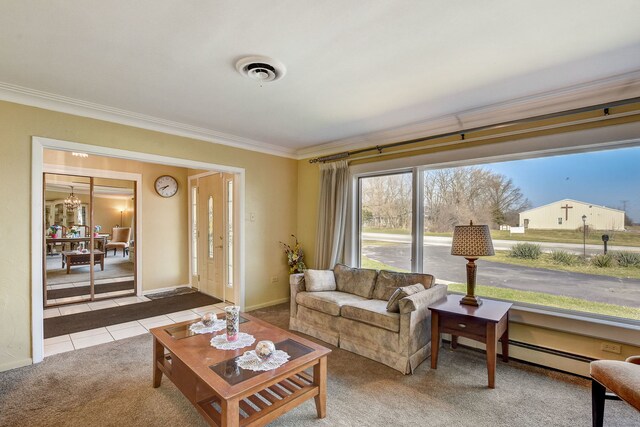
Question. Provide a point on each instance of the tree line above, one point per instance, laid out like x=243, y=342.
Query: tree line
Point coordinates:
x=451, y=197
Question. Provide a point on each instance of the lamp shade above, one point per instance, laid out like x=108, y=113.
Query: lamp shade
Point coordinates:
x=472, y=241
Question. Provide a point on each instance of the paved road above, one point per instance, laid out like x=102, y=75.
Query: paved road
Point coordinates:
x=439, y=262
x=499, y=244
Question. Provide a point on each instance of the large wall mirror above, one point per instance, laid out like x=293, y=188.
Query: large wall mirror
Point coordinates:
x=89, y=241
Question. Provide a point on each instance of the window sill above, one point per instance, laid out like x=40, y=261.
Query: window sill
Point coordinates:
x=585, y=324
x=577, y=323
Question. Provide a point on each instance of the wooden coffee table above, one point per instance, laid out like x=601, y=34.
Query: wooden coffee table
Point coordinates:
x=486, y=323
x=227, y=395
x=71, y=258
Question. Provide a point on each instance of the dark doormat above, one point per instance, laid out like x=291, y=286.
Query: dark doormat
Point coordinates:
x=62, y=325
x=173, y=292
x=86, y=290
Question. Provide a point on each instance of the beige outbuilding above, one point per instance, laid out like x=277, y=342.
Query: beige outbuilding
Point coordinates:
x=566, y=214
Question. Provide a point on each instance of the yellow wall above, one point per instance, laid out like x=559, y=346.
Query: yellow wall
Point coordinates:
x=164, y=221
x=270, y=195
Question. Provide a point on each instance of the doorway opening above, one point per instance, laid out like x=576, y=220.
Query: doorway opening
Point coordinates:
x=159, y=247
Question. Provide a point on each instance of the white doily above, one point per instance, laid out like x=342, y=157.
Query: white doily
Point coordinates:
x=249, y=360
x=220, y=341
x=199, y=327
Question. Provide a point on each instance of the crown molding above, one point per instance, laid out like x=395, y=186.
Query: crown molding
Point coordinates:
x=596, y=92
x=50, y=101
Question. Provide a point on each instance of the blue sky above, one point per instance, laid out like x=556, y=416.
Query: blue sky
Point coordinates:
x=603, y=178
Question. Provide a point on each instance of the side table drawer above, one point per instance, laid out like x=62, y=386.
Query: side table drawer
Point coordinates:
x=463, y=326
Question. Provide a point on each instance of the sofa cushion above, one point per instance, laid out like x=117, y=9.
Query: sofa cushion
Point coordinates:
x=356, y=281
x=372, y=312
x=328, y=302
x=388, y=281
x=394, y=301
x=319, y=280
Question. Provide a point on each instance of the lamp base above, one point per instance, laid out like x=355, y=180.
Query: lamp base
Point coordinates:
x=471, y=300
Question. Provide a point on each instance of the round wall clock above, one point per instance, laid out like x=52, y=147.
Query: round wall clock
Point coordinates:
x=166, y=186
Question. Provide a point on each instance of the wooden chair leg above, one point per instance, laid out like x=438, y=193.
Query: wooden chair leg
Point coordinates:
x=597, y=403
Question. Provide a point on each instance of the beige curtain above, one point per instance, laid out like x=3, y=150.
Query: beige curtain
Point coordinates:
x=332, y=215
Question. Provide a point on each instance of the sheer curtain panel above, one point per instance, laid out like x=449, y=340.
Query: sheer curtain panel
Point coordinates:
x=332, y=215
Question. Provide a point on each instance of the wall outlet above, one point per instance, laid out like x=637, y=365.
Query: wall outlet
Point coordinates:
x=274, y=279
x=610, y=347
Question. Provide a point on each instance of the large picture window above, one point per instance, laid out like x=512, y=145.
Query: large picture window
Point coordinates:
x=385, y=221
x=551, y=219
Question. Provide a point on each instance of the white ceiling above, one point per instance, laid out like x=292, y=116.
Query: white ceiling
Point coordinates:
x=353, y=67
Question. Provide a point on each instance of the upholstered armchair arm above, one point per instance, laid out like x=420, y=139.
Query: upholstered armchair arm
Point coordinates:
x=633, y=359
x=296, y=283
x=421, y=300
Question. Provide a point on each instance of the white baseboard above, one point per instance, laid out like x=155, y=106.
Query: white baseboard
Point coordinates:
x=168, y=288
x=15, y=364
x=267, y=304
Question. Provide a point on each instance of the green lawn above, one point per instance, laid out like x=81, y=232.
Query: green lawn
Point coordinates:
x=386, y=230
x=618, y=238
x=539, y=298
x=377, y=265
x=529, y=297
x=546, y=262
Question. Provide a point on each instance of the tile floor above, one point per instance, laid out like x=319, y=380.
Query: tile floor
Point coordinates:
x=120, y=331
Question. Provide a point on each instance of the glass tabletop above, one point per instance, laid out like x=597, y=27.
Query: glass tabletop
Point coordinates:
x=233, y=374
x=182, y=331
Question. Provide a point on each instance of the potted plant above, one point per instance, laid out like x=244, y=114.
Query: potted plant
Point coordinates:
x=73, y=232
x=96, y=230
x=53, y=231
x=295, y=257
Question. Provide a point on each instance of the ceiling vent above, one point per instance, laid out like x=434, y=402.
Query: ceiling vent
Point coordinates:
x=261, y=68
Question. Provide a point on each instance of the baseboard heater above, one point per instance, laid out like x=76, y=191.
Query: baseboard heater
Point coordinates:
x=559, y=353
x=540, y=349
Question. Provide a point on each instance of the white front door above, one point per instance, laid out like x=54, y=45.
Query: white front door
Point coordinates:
x=211, y=240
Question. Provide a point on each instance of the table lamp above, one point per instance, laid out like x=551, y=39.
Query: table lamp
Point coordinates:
x=471, y=241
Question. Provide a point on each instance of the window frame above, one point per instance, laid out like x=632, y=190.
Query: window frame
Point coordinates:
x=582, y=323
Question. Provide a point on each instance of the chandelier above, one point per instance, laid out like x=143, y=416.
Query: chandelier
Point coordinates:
x=72, y=202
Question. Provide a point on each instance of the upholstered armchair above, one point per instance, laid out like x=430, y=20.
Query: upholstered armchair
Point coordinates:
x=119, y=240
x=622, y=378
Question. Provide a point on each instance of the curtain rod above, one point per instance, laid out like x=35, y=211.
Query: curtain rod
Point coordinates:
x=605, y=107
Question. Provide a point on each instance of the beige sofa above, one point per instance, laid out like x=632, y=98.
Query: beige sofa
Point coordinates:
x=354, y=316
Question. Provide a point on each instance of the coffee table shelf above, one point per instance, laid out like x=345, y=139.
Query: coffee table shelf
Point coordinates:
x=269, y=402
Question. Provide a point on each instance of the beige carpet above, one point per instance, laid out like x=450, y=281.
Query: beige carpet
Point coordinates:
x=110, y=385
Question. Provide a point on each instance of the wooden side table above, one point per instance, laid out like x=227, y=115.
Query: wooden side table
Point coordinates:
x=486, y=323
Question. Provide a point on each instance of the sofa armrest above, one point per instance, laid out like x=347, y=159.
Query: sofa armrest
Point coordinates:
x=422, y=300
x=296, y=283
x=415, y=319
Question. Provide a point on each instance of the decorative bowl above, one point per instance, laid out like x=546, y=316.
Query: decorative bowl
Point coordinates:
x=265, y=349
x=208, y=319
